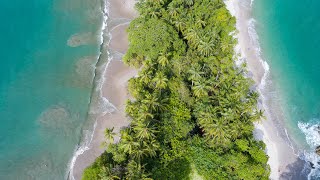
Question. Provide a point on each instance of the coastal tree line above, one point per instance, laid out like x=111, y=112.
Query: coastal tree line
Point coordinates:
x=193, y=108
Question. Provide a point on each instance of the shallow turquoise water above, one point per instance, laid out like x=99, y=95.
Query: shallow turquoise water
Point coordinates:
x=45, y=85
x=290, y=41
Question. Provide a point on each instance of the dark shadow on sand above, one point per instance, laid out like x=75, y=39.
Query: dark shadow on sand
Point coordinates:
x=296, y=171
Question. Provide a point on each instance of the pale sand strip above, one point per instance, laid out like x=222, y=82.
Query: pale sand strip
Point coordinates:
x=114, y=88
x=279, y=152
x=115, y=91
x=122, y=9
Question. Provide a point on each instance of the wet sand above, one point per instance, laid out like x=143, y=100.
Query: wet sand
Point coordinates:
x=271, y=130
x=114, y=87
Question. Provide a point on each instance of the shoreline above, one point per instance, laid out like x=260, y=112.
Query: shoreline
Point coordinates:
x=281, y=155
x=283, y=160
x=113, y=87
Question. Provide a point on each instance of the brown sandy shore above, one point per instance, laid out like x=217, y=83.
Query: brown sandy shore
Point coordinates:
x=115, y=85
x=283, y=159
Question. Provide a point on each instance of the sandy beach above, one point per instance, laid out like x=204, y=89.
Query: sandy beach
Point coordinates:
x=283, y=161
x=282, y=158
x=114, y=87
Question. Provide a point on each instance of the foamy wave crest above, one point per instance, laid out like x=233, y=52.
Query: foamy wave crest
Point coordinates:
x=263, y=82
x=78, y=151
x=251, y=3
x=312, y=134
x=102, y=107
x=249, y=47
x=254, y=40
x=99, y=105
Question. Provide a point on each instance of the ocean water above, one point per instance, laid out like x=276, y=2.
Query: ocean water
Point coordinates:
x=290, y=42
x=49, y=50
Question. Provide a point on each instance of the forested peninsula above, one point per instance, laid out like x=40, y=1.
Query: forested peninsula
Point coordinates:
x=193, y=108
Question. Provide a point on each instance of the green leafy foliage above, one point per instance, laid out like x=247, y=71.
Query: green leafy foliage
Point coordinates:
x=193, y=110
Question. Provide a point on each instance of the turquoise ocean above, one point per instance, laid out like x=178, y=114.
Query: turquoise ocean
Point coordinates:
x=289, y=37
x=49, y=52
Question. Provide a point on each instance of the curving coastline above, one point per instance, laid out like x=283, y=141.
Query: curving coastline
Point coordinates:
x=283, y=156
x=279, y=146
x=110, y=92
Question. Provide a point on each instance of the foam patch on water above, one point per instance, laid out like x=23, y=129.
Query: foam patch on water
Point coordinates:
x=80, y=39
x=84, y=71
x=58, y=120
x=312, y=134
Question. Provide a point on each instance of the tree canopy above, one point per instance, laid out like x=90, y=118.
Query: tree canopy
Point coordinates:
x=193, y=109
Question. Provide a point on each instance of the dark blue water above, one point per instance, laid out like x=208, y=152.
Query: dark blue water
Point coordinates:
x=45, y=83
x=290, y=40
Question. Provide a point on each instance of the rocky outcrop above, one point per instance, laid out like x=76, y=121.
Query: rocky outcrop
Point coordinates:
x=318, y=150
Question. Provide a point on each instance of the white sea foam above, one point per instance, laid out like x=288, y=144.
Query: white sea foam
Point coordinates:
x=80, y=150
x=99, y=105
x=236, y=8
x=254, y=41
x=312, y=134
x=251, y=3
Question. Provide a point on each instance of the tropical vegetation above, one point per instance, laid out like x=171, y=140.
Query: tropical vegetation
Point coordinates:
x=194, y=108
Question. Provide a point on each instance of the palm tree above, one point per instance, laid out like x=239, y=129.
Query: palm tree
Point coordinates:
x=205, y=117
x=151, y=147
x=144, y=114
x=128, y=145
x=225, y=45
x=192, y=37
x=131, y=109
x=126, y=133
x=154, y=13
x=201, y=88
x=106, y=174
x=258, y=115
x=195, y=73
x=145, y=75
x=206, y=47
x=160, y=81
x=144, y=131
x=163, y=60
x=200, y=23
x=157, y=1
x=146, y=148
x=218, y=132
x=109, y=134
x=138, y=154
x=188, y=2
x=173, y=11
x=151, y=101
x=180, y=25
x=179, y=63
x=136, y=171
